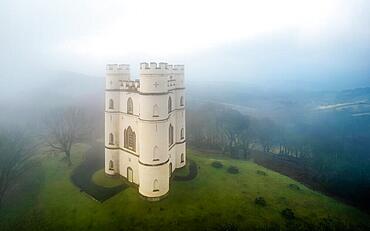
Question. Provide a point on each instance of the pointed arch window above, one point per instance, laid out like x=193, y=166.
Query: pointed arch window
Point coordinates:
x=129, y=139
x=111, y=104
x=155, y=110
x=182, y=135
x=170, y=135
x=111, y=139
x=156, y=153
x=182, y=101
x=169, y=104
x=182, y=159
x=111, y=167
x=130, y=106
x=155, y=186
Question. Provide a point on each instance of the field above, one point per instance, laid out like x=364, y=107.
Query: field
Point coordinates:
x=214, y=199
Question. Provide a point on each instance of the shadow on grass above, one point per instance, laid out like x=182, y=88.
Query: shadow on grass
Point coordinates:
x=82, y=175
x=193, y=172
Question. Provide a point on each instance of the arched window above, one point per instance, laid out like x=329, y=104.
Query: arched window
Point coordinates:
x=170, y=169
x=169, y=104
x=155, y=153
x=129, y=139
x=182, y=101
x=155, y=110
x=111, y=141
x=182, y=158
x=111, y=165
x=170, y=135
x=130, y=106
x=182, y=133
x=155, y=186
x=111, y=104
x=130, y=174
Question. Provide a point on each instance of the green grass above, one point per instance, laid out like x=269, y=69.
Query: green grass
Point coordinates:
x=100, y=178
x=213, y=198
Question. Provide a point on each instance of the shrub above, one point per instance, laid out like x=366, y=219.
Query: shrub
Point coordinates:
x=288, y=214
x=217, y=164
x=260, y=201
x=233, y=170
x=294, y=186
x=262, y=173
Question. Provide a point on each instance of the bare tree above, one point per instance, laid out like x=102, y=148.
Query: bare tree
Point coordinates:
x=64, y=128
x=16, y=152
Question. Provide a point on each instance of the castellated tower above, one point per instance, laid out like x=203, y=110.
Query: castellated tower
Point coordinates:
x=145, y=125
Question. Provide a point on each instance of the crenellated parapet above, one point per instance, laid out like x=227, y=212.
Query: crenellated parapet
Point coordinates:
x=130, y=85
x=117, y=68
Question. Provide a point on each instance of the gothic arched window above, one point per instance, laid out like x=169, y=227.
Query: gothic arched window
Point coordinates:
x=182, y=101
x=155, y=110
x=129, y=139
x=155, y=153
x=155, y=186
x=111, y=140
x=170, y=135
x=111, y=104
x=130, y=106
x=169, y=104
x=182, y=158
x=182, y=133
x=111, y=165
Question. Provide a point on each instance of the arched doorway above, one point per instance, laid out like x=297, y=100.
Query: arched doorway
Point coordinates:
x=130, y=174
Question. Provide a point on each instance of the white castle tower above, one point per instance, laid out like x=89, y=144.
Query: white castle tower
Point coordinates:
x=145, y=125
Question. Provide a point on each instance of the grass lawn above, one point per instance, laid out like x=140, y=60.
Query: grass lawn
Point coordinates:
x=211, y=200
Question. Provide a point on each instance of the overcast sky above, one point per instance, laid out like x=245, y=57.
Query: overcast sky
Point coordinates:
x=315, y=41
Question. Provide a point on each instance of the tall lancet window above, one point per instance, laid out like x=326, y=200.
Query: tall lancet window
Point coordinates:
x=182, y=101
x=155, y=186
x=182, y=133
x=130, y=106
x=111, y=165
x=170, y=135
x=169, y=104
x=111, y=140
x=111, y=104
x=129, y=139
x=156, y=153
x=155, y=110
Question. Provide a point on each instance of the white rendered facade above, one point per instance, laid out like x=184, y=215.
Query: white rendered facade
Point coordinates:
x=145, y=125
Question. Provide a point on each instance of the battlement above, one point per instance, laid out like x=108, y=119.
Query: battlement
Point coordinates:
x=161, y=68
x=130, y=85
x=117, y=68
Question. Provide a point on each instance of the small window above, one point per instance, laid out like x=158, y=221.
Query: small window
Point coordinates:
x=155, y=111
x=111, y=104
x=155, y=186
x=170, y=135
x=169, y=104
x=182, y=101
x=182, y=133
x=130, y=106
x=156, y=153
x=111, y=141
x=111, y=165
x=182, y=158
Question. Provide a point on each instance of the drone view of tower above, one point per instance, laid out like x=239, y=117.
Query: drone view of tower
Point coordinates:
x=145, y=125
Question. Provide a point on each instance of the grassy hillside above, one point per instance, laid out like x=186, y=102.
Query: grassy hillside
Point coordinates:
x=215, y=199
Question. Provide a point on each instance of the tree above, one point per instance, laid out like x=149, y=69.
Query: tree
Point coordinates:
x=64, y=128
x=16, y=152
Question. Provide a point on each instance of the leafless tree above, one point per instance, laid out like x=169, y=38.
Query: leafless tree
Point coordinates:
x=65, y=127
x=16, y=152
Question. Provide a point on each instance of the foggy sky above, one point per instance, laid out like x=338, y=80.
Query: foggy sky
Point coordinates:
x=323, y=44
